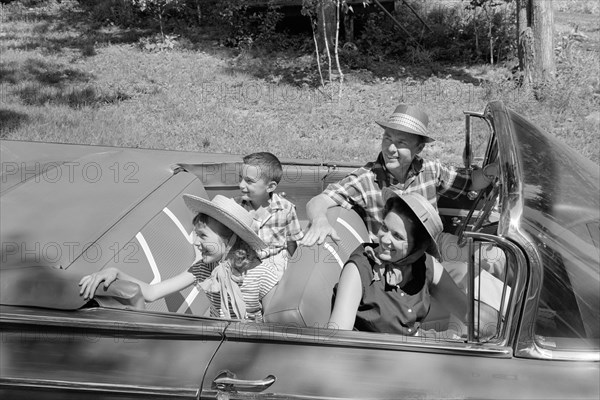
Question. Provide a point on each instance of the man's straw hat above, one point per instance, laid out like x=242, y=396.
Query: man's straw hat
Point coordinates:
x=408, y=119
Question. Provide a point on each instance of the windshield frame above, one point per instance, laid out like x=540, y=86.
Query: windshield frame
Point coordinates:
x=520, y=212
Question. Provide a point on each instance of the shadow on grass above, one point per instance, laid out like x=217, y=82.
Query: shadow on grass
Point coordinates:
x=37, y=82
x=55, y=27
x=41, y=72
x=87, y=32
x=85, y=42
x=10, y=121
x=87, y=96
x=301, y=70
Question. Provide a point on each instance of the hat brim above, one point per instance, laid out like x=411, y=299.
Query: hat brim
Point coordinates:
x=403, y=128
x=199, y=205
x=419, y=209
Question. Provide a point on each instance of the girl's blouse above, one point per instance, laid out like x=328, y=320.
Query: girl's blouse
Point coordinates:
x=391, y=309
x=257, y=282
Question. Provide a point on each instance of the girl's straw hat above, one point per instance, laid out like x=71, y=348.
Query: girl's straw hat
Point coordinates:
x=230, y=214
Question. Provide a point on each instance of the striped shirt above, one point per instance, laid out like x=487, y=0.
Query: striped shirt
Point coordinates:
x=278, y=225
x=361, y=189
x=258, y=281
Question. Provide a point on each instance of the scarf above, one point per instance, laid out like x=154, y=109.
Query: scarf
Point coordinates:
x=223, y=280
x=393, y=273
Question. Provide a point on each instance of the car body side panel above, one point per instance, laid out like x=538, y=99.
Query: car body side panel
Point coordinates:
x=332, y=364
x=98, y=353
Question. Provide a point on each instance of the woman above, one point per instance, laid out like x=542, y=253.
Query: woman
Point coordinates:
x=386, y=287
x=230, y=272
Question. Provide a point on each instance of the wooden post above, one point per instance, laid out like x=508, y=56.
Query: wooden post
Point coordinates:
x=543, y=40
x=535, y=42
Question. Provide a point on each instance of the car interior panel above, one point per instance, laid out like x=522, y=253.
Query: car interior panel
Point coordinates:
x=304, y=295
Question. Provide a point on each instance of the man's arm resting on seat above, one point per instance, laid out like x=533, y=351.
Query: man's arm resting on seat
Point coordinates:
x=318, y=224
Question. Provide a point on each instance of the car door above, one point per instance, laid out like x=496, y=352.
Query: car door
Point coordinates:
x=104, y=354
x=294, y=361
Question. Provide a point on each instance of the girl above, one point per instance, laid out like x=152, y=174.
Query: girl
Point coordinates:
x=233, y=277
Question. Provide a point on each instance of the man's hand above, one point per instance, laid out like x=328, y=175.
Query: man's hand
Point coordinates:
x=490, y=171
x=483, y=177
x=317, y=232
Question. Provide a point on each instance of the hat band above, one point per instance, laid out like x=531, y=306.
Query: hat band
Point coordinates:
x=410, y=122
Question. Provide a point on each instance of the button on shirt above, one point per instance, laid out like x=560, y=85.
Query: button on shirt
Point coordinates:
x=361, y=189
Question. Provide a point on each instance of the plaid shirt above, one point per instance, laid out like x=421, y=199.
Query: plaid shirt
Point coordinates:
x=278, y=225
x=361, y=189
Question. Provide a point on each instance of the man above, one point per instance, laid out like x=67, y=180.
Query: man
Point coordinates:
x=398, y=165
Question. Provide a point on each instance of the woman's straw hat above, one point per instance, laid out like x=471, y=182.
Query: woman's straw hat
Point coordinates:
x=408, y=119
x=230, y=214
x=425, y=212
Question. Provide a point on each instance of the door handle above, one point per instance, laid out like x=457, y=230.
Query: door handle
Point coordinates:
x=226, y=381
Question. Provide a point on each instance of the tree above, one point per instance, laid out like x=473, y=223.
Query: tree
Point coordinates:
x=325, y=21
x=158, y=8
x=535, y=27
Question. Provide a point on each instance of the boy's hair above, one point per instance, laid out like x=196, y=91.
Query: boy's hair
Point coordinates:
x=268, y=165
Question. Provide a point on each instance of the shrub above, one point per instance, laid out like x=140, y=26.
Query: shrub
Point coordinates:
x=457, y=31
x=248, y=26
x=118, y=12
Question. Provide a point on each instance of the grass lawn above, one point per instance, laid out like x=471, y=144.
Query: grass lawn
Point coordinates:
x=65, y=79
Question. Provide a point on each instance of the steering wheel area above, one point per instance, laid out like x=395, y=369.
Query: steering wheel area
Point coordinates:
x=489, y=197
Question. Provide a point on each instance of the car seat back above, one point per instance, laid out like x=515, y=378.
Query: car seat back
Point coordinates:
x=303, y=297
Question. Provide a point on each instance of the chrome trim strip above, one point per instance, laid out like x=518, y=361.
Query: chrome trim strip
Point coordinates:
x=536, y=351
x=470, y=290
x=81, y=322
x=104, y=388
x=323, y=336
x=214, y=394
x=518, y=289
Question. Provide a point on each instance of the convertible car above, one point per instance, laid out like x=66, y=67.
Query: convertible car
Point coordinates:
x=531, y=241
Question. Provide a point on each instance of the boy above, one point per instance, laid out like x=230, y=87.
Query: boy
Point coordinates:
x=275, y=218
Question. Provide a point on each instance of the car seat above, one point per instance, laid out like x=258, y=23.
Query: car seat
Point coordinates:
x=303, y=297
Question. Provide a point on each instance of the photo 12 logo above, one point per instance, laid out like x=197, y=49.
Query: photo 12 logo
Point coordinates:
x=69, y=172
x=255, y=92
x=63, y=254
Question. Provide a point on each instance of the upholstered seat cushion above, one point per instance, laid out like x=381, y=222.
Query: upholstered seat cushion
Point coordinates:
x=304, y=294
